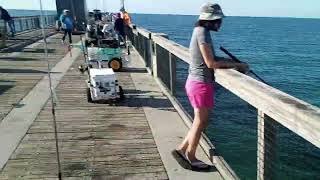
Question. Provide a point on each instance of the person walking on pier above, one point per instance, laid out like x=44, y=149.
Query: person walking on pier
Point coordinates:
x=126, y=18
x=66, y=25
x=119, y=28
x=199, y=86
x=8, y=19
x=127, y=22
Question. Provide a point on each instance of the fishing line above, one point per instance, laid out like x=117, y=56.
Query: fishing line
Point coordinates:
x=83, y=49
x=51, y=90
x=237, y=60
x=83, y=68
x=250, y=108
x=122, y=4
x=102, y=4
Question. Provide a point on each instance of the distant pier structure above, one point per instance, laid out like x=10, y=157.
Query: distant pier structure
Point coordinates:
x=78, y=10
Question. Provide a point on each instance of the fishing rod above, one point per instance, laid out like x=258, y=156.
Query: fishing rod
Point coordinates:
x=122, y=5
x=237, y=60
x=85, y=55
x=51, y=90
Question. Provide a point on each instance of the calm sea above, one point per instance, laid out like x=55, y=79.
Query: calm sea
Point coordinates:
x=15, y=12
x=286, y=53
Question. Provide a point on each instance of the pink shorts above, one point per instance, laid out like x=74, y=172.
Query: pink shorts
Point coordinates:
x=201, y=94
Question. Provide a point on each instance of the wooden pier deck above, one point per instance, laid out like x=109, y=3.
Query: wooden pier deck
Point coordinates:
x=96, y=141
x=21, y=67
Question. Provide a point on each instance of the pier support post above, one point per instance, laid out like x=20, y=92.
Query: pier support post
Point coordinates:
x=150, y=53
x=27, y=24
x=33, y=25
x=154, y=54
x=21, y=25
x=172, y=69
x=266, y=155
x=37, y=21
x=154, y=58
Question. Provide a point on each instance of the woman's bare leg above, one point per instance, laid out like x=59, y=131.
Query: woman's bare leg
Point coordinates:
x=191, y=141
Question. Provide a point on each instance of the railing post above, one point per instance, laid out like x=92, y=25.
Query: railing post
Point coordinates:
x=150, y=52
x=27, y=24
x=44, y=22
x=154, y=53
x=266, y=155
x=154, y=59
x=38, y=22
x=34, y=23
x=172, y=67
x=21, y=25
x=31, y=22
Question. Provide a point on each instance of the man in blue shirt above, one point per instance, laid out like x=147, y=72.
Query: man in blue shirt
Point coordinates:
x=66, y=25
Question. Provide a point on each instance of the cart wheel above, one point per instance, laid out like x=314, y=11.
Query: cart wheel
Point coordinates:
x=121, y=93
x=89, y=96
x=115, y=64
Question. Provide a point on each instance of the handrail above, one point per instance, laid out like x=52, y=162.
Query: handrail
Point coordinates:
x=273, y=106
x=295, y=114
x=26, y=23
x=30, y=17
x=21, y=17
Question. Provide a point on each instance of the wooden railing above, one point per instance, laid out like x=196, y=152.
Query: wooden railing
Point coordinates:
x=273, y=106
x=25, y=23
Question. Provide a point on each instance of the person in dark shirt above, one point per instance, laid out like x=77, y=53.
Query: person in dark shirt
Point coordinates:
x=8, y=19
x=119, y=27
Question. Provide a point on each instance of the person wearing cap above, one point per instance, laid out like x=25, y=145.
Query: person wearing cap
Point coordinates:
x=66, y=25
x=199, y=86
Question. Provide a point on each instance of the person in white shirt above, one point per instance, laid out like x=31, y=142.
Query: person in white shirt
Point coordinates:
x=108, y=29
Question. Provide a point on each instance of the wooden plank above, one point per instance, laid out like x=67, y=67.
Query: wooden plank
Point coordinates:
x=144, y=32
x=84, y=170
x=133, y=176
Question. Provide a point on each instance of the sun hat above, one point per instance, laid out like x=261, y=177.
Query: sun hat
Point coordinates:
x=210, y=11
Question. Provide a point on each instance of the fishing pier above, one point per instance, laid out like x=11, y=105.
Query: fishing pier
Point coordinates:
x=131, y=139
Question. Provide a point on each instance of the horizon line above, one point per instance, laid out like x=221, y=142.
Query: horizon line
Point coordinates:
x=251, y=16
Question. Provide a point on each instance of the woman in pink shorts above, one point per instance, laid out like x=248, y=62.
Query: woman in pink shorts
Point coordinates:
x=199, y=86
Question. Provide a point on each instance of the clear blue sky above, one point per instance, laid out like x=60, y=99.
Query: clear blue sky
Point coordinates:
x=282, y=8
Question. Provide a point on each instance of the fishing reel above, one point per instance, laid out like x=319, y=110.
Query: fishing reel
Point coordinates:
x=83, y=68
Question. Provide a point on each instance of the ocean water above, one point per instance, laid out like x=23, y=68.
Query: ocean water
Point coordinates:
x=16, y=12
x=286, y=53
